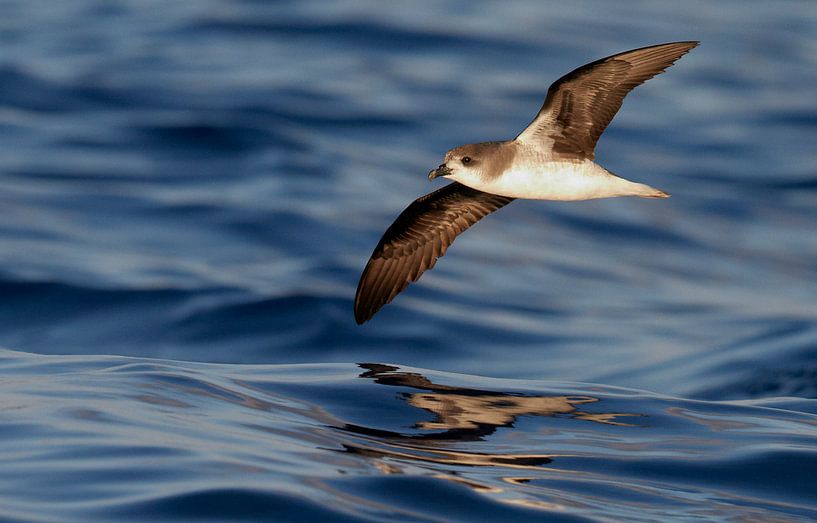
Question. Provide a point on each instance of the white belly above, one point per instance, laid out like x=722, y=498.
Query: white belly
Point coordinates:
x=558, y=181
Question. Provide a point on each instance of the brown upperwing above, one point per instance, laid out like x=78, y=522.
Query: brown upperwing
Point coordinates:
x=581, y=104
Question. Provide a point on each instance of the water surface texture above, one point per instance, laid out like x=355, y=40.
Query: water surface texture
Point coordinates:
x=204, y=181
x=112, y=437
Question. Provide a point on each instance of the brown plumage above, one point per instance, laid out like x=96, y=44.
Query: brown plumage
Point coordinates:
x=421, y=234
x=581, y=104
x=492, y=157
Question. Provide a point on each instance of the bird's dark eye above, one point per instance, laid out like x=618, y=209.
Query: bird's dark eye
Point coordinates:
x=466, y=159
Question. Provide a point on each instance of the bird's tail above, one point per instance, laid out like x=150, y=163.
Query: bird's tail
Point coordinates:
x=641, y=190
x=652, y=192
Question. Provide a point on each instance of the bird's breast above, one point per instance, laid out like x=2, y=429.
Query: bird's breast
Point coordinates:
x=579, y=180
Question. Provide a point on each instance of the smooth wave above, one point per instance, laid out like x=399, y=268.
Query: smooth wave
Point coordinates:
x=171, y=440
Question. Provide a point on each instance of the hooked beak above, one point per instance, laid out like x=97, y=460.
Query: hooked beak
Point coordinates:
x=442, y=170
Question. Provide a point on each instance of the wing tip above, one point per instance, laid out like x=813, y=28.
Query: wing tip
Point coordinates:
x=689, y=45
x=363, y=312
x=362, y=315
x=685, y=47
x=673, y=51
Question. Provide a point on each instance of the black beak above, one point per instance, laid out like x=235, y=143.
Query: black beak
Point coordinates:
x=442, y=170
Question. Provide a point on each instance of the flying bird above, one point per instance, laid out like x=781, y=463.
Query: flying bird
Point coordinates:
x=551, y=159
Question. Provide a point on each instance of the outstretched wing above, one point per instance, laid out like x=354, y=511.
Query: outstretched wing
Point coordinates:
x=581, y=104
x=420, y=235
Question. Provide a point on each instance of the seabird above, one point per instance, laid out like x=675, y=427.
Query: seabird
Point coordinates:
x=552, y=159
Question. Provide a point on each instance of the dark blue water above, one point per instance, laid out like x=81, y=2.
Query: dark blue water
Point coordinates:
x=204, y=181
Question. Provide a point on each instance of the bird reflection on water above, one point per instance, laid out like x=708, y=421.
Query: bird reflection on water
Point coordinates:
x=462, y=415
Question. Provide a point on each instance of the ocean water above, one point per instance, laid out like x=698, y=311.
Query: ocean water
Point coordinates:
x=190, y=191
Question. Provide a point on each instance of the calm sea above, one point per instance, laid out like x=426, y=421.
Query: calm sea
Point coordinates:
x=190, y=190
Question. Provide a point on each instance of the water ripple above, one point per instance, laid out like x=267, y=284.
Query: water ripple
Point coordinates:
x=173, y=440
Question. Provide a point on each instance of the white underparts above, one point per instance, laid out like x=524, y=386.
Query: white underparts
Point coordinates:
x=557, y=180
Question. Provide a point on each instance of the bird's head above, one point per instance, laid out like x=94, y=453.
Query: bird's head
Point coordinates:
x=468, y=162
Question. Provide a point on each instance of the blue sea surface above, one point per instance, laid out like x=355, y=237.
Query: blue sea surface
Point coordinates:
x=190, y=191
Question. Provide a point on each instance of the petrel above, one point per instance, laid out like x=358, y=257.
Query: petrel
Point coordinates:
x=551, y=159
